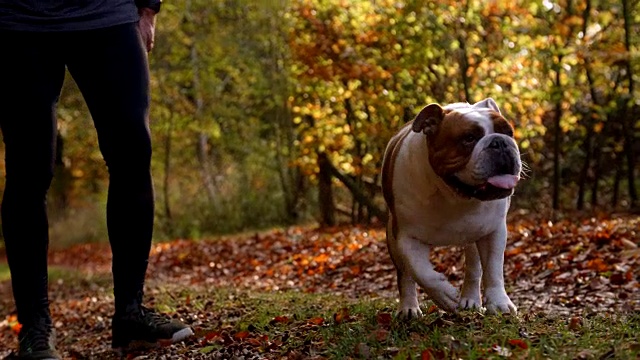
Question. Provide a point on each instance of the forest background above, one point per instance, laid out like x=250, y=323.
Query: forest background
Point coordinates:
x=275, y=112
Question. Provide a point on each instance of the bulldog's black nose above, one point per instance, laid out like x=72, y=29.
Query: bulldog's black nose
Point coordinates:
x=498, y=143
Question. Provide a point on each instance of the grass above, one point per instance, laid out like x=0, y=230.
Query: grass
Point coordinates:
x=73, y=278
x=65, y=275
x=366, y=328
x=4, y=272
x=329, y=326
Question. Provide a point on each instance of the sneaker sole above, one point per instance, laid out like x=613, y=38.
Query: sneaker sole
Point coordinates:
x=137, y=345
x=181, y=335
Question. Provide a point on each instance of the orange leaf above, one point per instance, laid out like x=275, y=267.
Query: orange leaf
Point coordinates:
x=341, y=316
x=211, y=335
x=426, y=355
x=513, y=252
x=575, y=323
x=518, y=343
x=254, y=342
x=14, y=324
x=324, y=257
x=316, y=321
x=279, y=320
x=241, y=335
x=432, y=309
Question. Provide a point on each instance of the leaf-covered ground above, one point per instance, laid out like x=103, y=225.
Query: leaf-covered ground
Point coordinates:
x=330, y=293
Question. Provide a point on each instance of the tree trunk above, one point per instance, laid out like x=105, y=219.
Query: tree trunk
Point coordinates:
x=292, y=182
x=616, y=181
x=205, y=170
x=356, y=207
x=627, y=124
x=325, y=191
x=582, y=181
x=588, y=119
x=464, y=60
x=167, y=176
x=557, y=137
x=597, y=172
x=62, y=183
x=203, y=138
x=464, y=67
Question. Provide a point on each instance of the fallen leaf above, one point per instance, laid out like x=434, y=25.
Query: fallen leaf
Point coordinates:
x=518, y=343
x=241, y=335
x=426, y=355
x=575, y=323
x=280, y=320
x=617, y=279
x=384, y=319
x=381, y=335
x=341, y=316
x=316, y=321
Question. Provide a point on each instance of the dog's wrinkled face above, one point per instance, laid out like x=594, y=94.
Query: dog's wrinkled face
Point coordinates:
x=471, y=147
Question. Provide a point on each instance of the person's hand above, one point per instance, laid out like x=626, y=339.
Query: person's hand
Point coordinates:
x=147, y=27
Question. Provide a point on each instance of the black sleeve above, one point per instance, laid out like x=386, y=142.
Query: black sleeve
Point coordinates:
x=151, y=4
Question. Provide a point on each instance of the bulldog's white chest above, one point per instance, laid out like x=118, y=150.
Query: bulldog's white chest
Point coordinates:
x=438, y=222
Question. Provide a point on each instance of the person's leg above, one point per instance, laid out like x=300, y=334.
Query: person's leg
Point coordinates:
x=31, y=76
x=110, y=67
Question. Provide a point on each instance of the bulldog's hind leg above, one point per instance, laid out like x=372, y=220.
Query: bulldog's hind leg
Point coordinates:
x=470, y=294
x=409, y=306
x=416, y=261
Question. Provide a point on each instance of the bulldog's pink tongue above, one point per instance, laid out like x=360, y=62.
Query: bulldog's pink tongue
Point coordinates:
x=504, y=181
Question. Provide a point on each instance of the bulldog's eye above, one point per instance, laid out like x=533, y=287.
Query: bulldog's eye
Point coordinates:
x=469, y=140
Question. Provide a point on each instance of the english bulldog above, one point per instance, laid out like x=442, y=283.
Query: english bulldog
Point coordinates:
x=447, y=178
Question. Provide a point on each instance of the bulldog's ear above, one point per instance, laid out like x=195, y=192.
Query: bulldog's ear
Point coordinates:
x=428, y=119
x=488, y=103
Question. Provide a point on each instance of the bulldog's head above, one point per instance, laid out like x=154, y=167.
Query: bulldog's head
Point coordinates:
x=471, y=148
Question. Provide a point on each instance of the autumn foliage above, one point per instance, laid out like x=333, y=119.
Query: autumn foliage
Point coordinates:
x=277, y=112
x=272, y=113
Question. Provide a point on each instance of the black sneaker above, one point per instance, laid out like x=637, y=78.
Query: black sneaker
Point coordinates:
x=141, y=328
x=37, y=342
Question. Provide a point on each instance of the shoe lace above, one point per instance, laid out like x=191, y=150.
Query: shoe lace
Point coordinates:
x=153, y=318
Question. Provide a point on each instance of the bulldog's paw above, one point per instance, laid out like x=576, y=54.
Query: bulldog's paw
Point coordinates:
x=469, y=303
x=444, y=295
x=410, y=312
x=499, y=303
x=409, y=306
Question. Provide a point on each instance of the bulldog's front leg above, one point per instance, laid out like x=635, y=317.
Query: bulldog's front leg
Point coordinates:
x=491, y=251
x=416, y=256
x=409, y=306
x=470, y=295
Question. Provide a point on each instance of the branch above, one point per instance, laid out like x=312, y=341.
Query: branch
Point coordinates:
x=358, y=193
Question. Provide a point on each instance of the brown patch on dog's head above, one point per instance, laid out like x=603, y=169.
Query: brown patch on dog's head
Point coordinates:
x=501, y=125
x=451, y=145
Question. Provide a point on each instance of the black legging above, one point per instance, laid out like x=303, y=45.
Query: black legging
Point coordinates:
x=110, y=67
